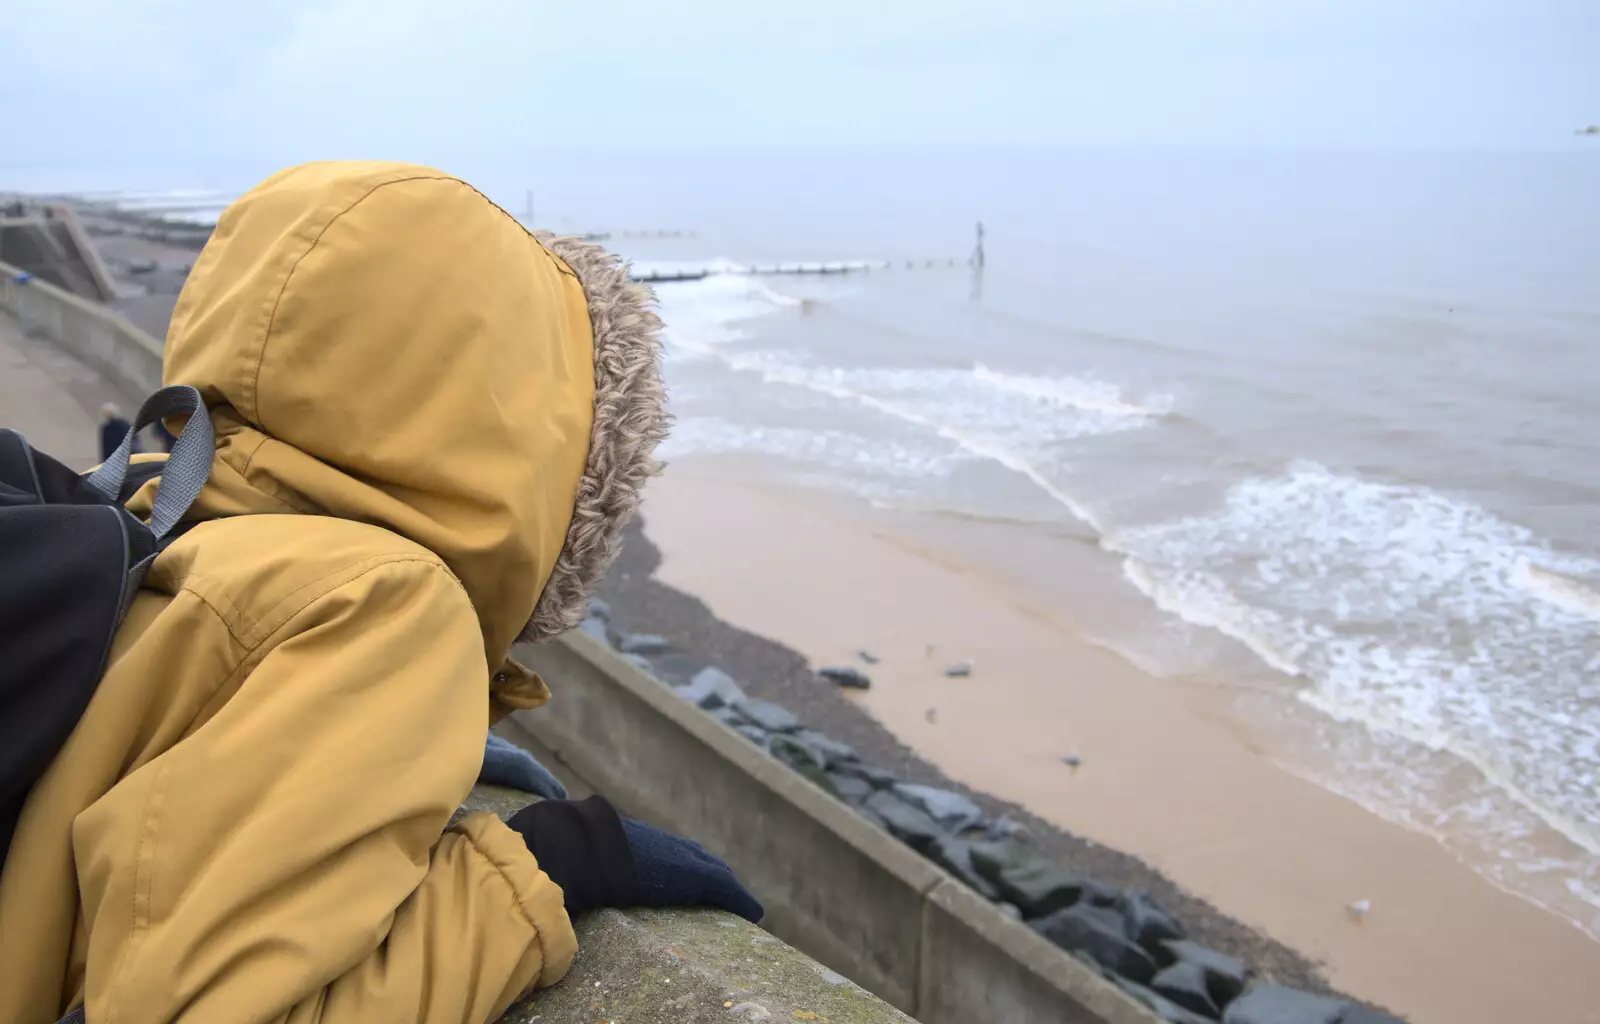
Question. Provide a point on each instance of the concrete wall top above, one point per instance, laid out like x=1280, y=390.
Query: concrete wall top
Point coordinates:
x=685, y=967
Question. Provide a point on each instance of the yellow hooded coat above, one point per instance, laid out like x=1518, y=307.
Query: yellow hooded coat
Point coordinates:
x=249, y=822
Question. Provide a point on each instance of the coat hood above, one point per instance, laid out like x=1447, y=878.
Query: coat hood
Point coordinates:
x=379, y=342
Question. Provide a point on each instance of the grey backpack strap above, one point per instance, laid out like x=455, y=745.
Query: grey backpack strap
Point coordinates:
x=186, y=468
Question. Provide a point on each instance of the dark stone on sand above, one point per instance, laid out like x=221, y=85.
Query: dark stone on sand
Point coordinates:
x=952, y=810
x=643, y=643
x=1367, y=1015
x=1163, y=1007
x=1147, y=924
x=848, y=678
x=955, y=856
x=851, y=788
x=1276, y=1004
x=769, y=716
x=802, y=760
x=1185, y=984
x=1098, y=894
x=1027, y=878
x=960, y=671
x=1225, y=975
x=755, y=735
x=729, y=717
x=1072, y=760
x=599, y=608
x=597, y=629
x=830, y=748
x=1097, y=932
x=911, y=825
x=799, y=756
x=711, y=688
x=876, y=777
x=1004, y=828
x=868, y=657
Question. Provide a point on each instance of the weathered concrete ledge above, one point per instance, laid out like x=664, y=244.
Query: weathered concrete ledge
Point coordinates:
x=686, y=966
x=100, y=338
x=834, y=885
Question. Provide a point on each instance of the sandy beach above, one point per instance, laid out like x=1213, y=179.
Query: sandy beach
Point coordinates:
x=1170, y=773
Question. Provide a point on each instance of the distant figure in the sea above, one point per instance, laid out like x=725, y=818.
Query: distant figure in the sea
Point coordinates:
x=113, y=428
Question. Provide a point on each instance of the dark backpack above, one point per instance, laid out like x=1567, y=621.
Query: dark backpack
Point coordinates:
x=71, y=559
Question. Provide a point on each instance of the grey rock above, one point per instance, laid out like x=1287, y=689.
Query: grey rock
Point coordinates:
x=711, y=688
x=1097, y=933
x=1005, y=828
x=730, y=718
x=597, y=629
x=830, y=748
x=599, y=608
x=1072, y=760
x=643, y=643
x=1277, y=1004
x=759, y=737
x=640, y=662
x=851, y=788
x=848, y=678
x=877, y=777
x=797, y=755
x=1099, y=894
x=769, y=716
x=868, y=657
x=1367, y=1015
x=955, y=856
x=911, y=825
x=960, y=671
x=1185, y=984
x=802, y=759
x=1147, y=924
x=1025, y=877
x=952, y=810
x=1011, y=910
x=1225, y=975
x=1163, y=1007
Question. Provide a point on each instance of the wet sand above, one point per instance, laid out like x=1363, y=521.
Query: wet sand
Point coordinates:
x=1167, y=774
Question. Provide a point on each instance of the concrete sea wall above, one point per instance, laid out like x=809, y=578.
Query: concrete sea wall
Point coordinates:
x=835, y=886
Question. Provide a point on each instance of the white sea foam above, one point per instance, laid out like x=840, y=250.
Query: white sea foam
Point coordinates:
x=1409, y=612
x=1074, y=392
x=1561, y=591
x=839, y=450
x=1013, y=420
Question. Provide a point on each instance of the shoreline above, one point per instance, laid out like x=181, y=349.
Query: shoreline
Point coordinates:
x=1167, y=774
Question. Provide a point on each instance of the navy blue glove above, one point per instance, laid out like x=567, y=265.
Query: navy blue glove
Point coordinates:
x=602, y=860
x=506, y=764
x=674, y=872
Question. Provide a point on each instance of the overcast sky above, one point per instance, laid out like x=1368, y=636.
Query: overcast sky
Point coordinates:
x=280, y=80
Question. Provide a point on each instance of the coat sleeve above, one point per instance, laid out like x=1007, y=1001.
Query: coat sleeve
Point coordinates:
x=284, y=861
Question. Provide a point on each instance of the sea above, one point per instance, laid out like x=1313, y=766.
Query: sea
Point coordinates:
x=1328, y=424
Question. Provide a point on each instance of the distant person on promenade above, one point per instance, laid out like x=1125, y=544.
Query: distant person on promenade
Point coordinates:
x=113, y=428
x=430, y=427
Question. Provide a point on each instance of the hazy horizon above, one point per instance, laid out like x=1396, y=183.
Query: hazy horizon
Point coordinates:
x=182, y=82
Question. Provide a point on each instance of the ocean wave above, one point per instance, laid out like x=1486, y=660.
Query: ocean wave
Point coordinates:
x=1406, y=611
x=985, y=413
x=842, y=450
x=1075, y=393
x=1561, y=591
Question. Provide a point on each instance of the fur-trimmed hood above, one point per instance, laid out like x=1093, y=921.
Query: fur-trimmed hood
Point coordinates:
x=379, y=342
